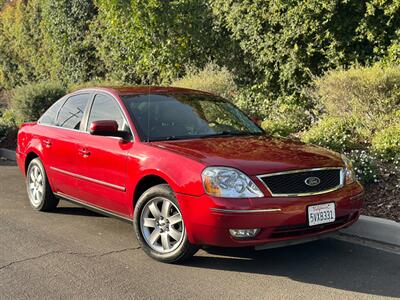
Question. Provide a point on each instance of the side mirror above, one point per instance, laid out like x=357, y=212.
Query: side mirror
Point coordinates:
x=106, y=128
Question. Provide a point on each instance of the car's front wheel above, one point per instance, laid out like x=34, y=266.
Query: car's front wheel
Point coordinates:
x=159, y=226
x=39, y=192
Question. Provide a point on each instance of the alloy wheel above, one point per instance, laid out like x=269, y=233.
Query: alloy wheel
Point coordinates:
x=36, y=185
x=162, y=225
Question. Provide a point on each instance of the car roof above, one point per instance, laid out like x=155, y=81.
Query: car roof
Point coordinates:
x=126, y=90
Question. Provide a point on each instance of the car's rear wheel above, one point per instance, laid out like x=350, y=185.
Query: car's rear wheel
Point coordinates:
x=39, y=192
x=159, y=226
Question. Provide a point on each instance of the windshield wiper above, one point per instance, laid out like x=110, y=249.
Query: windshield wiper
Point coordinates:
x=219, y=134
x=168, y=138
x=228, y=133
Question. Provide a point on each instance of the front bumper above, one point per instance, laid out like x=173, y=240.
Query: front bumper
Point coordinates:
x=208, y=219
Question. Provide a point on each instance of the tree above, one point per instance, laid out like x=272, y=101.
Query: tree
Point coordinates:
x=288, y=42
x=66, y=25
x=153, y=41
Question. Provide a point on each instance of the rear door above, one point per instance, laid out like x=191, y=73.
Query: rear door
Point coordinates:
x=102, y=160
x=60, y=144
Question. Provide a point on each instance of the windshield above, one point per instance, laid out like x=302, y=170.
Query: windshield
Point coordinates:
x=186, y=116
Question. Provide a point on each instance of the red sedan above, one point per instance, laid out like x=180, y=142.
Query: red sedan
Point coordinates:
x=187, y=168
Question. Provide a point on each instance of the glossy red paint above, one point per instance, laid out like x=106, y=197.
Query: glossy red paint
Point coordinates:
x=105, y=171
x=255, y=155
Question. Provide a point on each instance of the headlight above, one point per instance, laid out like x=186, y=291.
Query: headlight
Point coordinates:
x=349, y=174
x=229, y=183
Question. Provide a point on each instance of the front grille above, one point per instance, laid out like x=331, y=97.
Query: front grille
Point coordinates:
x=295, y=182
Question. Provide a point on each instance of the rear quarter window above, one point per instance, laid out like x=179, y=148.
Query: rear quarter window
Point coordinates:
x=50, y=116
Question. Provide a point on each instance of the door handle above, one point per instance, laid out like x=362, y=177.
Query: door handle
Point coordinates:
x=47, y=143
x=84, y=152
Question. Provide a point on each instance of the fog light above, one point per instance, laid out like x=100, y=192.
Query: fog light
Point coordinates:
x=244, y=233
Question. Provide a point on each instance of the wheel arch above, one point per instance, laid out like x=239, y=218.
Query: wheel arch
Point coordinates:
x=31, y=155
x=145, y=183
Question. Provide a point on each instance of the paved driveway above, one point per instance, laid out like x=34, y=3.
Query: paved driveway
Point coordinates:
x=74, y=253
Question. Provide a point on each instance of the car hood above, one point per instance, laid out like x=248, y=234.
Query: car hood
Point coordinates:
x=254, y=155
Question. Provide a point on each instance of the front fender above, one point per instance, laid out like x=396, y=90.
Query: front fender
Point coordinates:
x=181, y=173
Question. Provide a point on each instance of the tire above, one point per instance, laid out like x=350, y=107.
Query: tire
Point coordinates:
x=159, y=226
x=40, y=196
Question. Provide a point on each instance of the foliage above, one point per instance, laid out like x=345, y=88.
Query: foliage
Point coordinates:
x=286, y=120
x=336, y=133
x=8, y=122
x=19, y=51
x=152, y=41
x=393, y=55
x=32, y=100
x=381, y=24
x=253, y=101
x=44, y=39
x=66, y=29
x=273, y=48
x=360, y=115
x=287, y=42
x=387, y=141
x=366, y=166
x=213, y=78
x=367, y=95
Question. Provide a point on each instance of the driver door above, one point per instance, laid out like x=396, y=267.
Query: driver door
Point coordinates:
x=102, y=160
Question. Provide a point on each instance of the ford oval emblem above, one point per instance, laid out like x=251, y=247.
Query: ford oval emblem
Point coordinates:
x=312, y=181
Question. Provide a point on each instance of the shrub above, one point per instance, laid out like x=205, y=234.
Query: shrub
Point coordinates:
x=365, y=165
x=253, y=101
x=278, y=127
x=286, y=120
x=387, y=141
x=212, y=78
x=367, y=95
x=393, y=55
x=336, y=133
x=8, y=123
x=32, y=100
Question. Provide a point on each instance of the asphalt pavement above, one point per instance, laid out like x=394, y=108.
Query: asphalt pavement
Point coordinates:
x=73, y=253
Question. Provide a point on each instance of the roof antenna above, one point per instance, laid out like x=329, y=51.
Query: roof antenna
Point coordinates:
x=148, y=115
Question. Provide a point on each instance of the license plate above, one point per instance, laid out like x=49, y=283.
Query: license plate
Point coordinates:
x=321, y=214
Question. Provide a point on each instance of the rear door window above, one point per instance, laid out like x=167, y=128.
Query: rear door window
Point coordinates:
x=71, y=113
